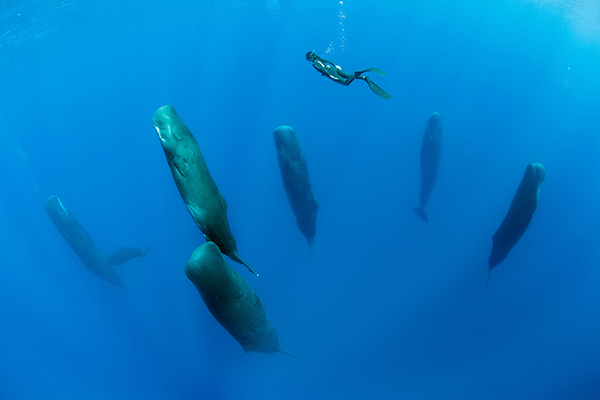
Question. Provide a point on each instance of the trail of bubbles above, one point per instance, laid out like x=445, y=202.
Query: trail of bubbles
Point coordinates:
x=273, y=7
x=343, y=40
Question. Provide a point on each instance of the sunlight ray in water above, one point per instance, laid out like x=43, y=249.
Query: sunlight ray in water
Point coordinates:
x=583, y=16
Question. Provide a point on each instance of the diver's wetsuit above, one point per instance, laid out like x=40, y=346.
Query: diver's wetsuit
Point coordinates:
x=335, y=73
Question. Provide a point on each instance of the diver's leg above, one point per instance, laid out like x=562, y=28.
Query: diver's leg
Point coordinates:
x=349, y=80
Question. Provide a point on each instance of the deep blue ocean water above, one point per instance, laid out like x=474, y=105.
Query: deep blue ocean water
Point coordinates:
x=389, y=307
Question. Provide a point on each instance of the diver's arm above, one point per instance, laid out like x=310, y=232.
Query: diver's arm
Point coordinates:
x=327, y=61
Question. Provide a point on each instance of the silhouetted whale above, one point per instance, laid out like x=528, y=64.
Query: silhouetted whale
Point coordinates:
x=231, y=300
x=80, y=241
x=196, y=186
x=125, y=254
x=431, y=151
x=296, y=183
x=519, y=215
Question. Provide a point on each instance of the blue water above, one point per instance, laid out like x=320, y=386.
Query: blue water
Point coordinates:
x=389, y=307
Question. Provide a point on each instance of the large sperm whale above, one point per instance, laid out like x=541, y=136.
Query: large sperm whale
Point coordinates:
x=296, y=183
x=80, y=241
x=519, y=215
x=431, y=151
x=196, y=186
x=231, y=300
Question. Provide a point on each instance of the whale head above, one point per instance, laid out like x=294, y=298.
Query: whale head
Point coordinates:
x=54, y=207
x=165, y=121
x=536, y=173
x=434, y=125
x=283, y=133
x=286, y=141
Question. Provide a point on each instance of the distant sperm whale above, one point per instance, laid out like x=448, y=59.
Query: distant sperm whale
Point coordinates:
x=294, y=175
x=231, y=300
x=519, y=215
x=196, y=186
x=431, y=151
x=125, y=254
x=80, y=241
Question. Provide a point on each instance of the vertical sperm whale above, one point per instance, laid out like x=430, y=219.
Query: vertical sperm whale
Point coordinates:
x=80, y=241
x=296, y=183
x=519, y=215
x=196, y=186
x=231, y=300
x=431, y=151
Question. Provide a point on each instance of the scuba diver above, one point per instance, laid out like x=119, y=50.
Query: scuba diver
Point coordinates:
x=334, y=72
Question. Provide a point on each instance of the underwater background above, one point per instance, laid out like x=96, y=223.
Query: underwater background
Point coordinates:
x=387, y=307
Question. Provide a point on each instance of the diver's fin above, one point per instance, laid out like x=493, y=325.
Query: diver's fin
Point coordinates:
x=376, y=70
x=377, y=90
x=145, y=252
x=421, y=213
x=488, y=279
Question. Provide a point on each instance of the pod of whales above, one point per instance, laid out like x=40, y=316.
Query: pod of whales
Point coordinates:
x=431, y=151
x=80, y=241
x=196, y=186
x=519, y=215
x=231, y=300
x=125, y=254
x=296, y=183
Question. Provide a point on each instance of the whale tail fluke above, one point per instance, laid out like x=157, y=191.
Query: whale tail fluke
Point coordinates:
x=490, y=269
x=145, y=252
x=421, y=213
x=290, y=354
x=236, y=257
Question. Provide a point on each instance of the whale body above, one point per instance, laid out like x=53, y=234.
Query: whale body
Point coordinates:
x=196, y=186
x=519, y=215
x=296, y=183
x=231, y=300
x=431, y=150
x=80, y=241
